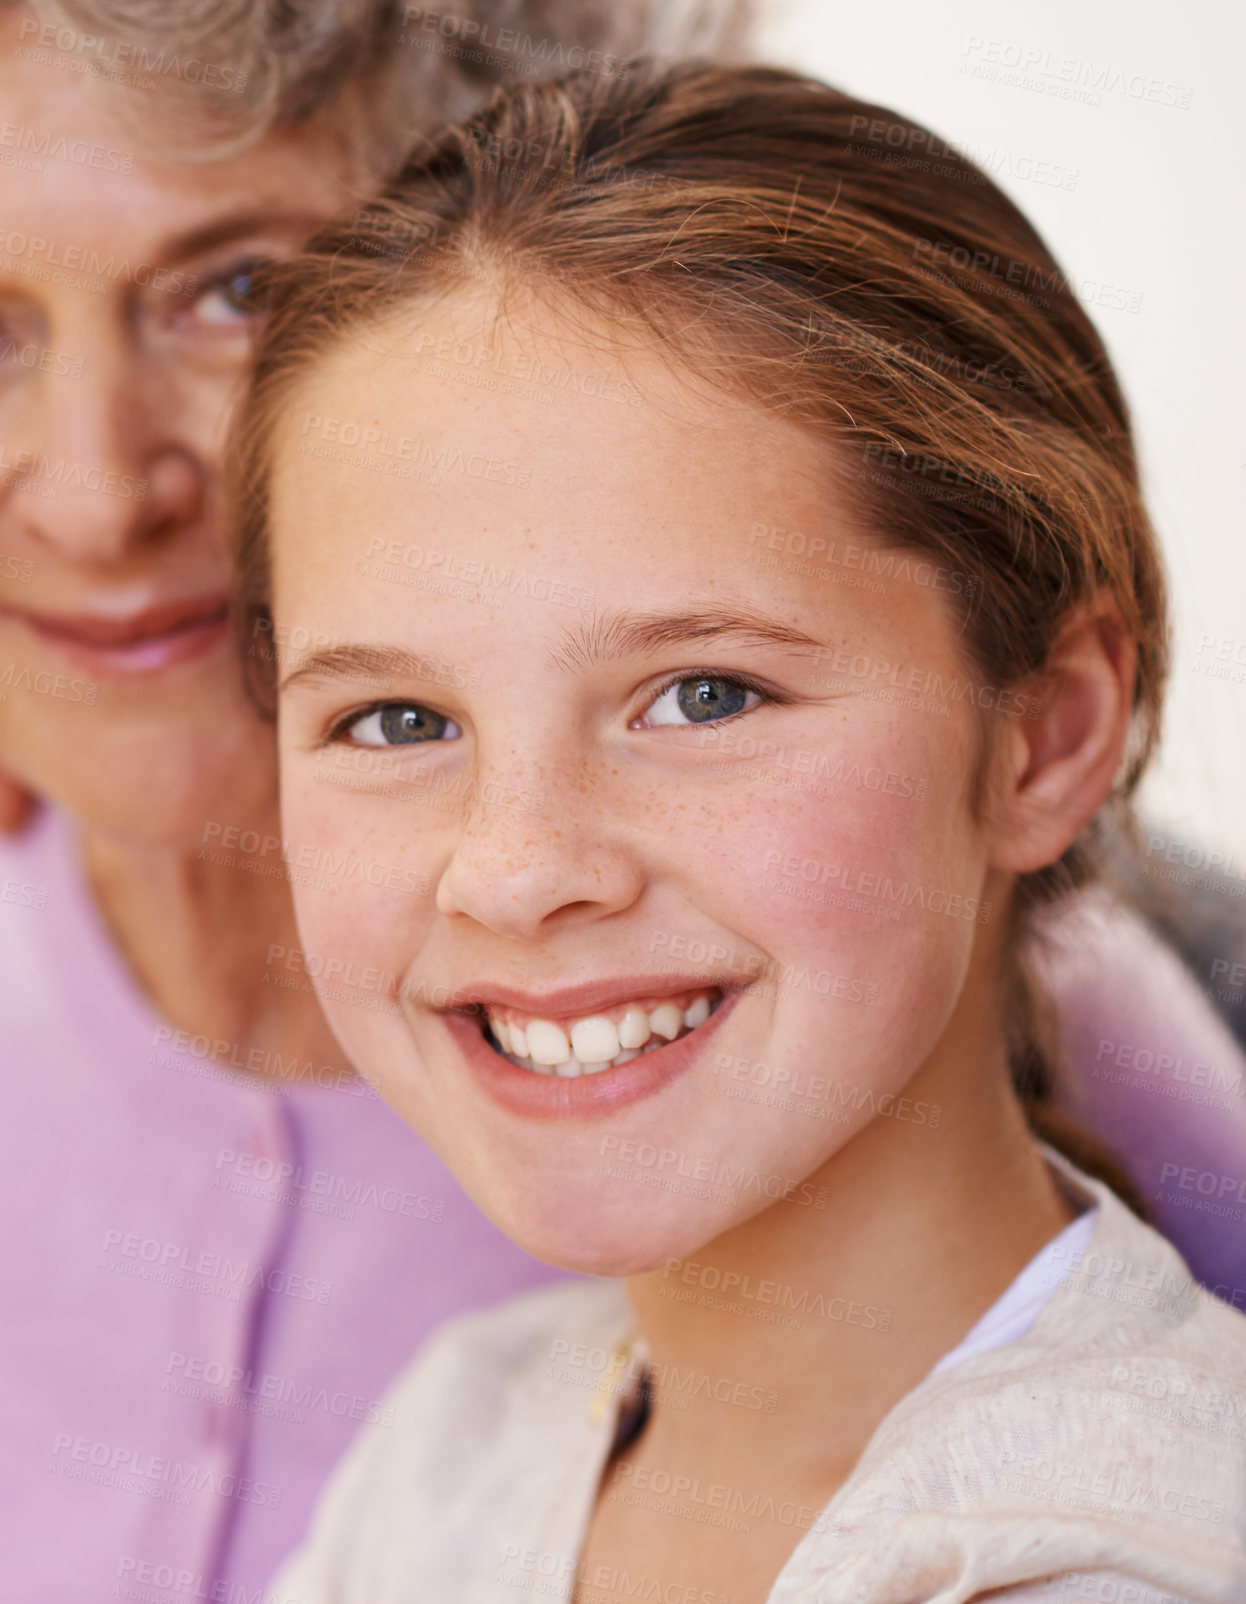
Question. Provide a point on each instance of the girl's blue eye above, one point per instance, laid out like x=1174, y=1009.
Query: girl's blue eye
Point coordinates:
x=401, y=724
x=702, y=700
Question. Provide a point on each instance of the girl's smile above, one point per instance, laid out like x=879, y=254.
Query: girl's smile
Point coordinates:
x=586, y=791
x=551, y=1081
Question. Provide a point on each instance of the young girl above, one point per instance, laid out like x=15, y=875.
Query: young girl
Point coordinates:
x=702, y=537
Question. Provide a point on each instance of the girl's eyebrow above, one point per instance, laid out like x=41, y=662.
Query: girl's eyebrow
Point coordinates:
x=357, y=662
x=613, y=634
x=604, y=637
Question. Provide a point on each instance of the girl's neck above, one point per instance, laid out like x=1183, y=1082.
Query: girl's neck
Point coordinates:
x=195, y=926
x=831, y=1314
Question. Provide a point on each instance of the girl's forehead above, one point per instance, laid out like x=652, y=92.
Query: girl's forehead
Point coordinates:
x=451, y=415
x=542, y=331
x=454, y=449
x=589, y=399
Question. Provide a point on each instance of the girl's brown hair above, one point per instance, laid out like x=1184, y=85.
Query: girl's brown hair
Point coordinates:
x=832, y=262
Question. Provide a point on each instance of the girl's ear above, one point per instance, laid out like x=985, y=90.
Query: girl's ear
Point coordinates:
x=1058, y=758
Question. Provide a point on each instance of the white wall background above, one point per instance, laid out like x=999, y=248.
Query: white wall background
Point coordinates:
x=1156, y=211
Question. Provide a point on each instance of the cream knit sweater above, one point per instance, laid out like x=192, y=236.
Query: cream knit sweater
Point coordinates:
x=1100, y=1457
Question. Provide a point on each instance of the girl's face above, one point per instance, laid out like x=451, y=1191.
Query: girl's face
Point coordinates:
x=608, y=715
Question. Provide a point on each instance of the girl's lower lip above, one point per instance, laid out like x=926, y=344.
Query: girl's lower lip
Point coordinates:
x=147, y=655
x=533, y=1096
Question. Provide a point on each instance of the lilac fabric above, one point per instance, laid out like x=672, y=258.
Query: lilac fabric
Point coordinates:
x=1155, y=1071
x=208, y=1284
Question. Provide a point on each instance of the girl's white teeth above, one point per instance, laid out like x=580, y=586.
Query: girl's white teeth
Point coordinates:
x=595, y=1040
x=667, y=1021
x=547, y=1043
x=634, y=1029
x=698, y=1013
x=597, y=1043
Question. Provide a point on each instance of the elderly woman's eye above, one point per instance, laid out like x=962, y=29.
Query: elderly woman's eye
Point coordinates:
x=702, y=699
x=233, y=297
x=399, y=724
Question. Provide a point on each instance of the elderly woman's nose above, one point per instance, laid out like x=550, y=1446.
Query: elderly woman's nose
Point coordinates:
x=92, y=466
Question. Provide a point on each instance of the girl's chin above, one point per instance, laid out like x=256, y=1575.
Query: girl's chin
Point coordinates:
x=613, y=1262
x=594, y=1240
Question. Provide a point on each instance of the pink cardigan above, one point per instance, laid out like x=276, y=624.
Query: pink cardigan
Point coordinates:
x=207, y=1286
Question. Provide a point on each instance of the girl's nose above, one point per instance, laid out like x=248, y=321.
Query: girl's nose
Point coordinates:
x=531, y=859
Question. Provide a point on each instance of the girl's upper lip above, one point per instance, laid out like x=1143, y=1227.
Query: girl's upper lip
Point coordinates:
x=104, y=630
x=567, y=1002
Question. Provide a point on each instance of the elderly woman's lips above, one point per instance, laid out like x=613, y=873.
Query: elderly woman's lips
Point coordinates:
x=99, y=629
x=137, y=642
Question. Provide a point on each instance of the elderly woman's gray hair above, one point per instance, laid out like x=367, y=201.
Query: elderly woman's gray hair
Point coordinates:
x=214, y=75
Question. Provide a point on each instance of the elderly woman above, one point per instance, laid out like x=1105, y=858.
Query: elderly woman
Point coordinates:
x=221, y=1244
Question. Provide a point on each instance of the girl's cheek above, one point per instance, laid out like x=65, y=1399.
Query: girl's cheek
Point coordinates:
x=869, y=882
x=361, y=917
x=361, y=896
x=879, y=826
